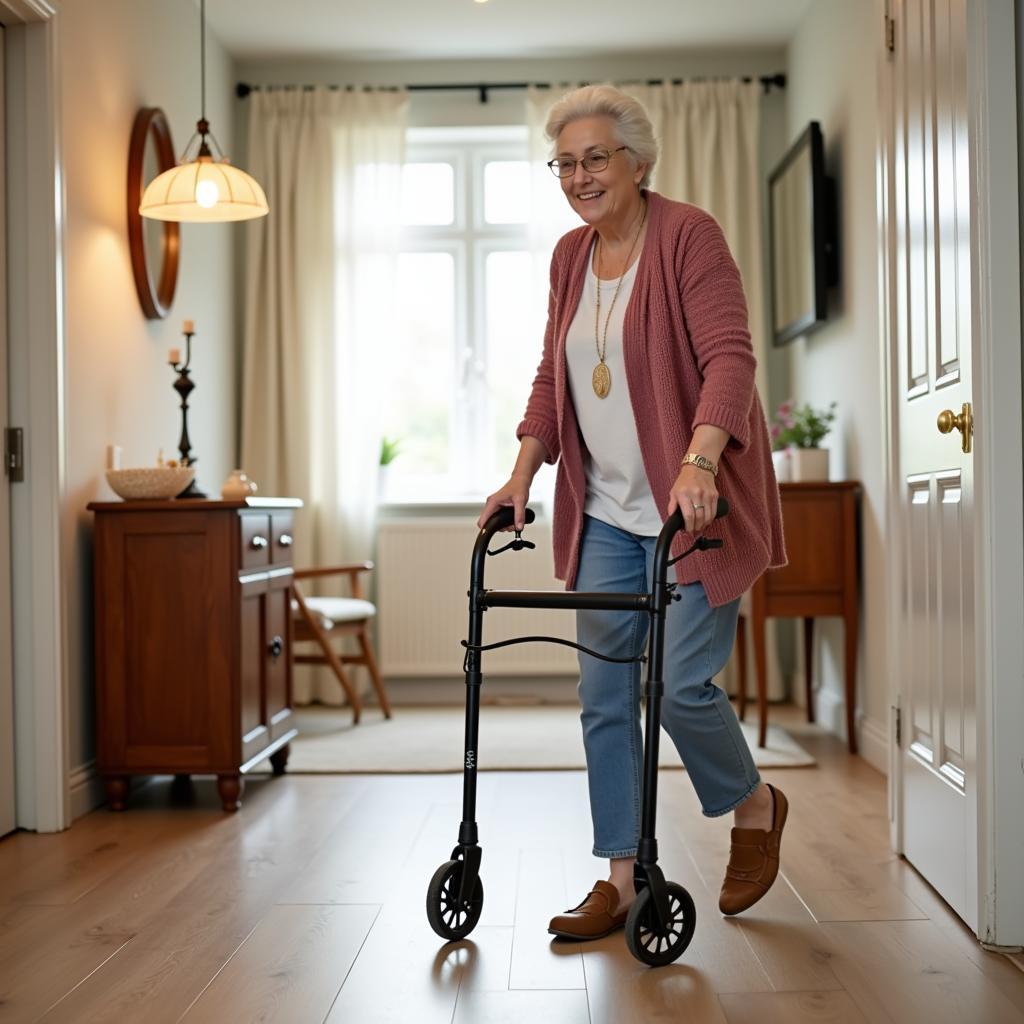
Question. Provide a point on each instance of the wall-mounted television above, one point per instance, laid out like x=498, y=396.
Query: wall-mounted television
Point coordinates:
x=802, y=231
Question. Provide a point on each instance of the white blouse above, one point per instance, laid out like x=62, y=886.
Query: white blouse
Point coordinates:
x=617, y=489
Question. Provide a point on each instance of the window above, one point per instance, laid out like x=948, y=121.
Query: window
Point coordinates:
x=472, y=318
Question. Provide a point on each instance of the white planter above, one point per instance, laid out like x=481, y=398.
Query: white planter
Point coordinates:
x=807, y=464
x=783, y=465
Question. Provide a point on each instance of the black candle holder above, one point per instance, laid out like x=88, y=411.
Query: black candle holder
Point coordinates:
x=184, y=385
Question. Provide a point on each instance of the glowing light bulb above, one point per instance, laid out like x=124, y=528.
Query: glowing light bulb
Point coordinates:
x=207, y=194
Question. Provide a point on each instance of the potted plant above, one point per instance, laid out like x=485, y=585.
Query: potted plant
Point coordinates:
x=389, y=448
x=796, y=435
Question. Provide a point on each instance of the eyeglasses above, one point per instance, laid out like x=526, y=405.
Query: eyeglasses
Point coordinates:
x=595, y=160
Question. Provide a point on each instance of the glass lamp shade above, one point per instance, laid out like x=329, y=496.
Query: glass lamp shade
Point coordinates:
x=205, y=190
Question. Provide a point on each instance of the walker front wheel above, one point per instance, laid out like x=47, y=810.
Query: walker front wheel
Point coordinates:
x=447, y=916
x=652, y=944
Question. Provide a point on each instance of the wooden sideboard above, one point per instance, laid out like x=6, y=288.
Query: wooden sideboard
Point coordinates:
x=821, y=526
x=193, y=631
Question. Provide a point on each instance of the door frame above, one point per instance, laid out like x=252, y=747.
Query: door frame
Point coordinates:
x=36, y=352
x=999, y=502
x=7, y=776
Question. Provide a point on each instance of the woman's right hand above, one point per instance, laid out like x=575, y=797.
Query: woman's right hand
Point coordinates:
x=515, y=493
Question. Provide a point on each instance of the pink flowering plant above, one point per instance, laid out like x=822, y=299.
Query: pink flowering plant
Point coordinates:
x=801, y=427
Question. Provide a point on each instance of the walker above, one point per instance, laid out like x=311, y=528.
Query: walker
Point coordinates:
x=661, y=921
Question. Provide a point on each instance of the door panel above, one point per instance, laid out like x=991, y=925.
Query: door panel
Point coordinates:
x=278, y=612
x=161, y=699
x=251, y=667
x=931, y=288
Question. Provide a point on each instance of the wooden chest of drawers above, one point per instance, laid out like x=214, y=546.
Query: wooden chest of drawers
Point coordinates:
x=192, y=627
x=821, y=523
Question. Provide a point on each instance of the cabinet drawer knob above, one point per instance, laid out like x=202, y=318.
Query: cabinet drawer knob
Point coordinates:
x=259, y=542
x=275, y=647
x=285, y=540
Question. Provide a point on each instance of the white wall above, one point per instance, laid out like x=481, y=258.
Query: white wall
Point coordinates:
x=117, y=56
x=832, y=79
x=1018, y=11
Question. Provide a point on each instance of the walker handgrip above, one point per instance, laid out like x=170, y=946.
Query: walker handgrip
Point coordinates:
x=675, y=521
x=504, y=518
x=672, y=526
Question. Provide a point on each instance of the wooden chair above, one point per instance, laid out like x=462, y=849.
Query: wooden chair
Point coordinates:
x=320, y=620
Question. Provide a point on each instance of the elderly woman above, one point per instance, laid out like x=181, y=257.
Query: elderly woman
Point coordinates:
x=645, y=398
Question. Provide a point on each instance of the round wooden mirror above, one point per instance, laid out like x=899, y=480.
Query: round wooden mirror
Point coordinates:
x=154, y=244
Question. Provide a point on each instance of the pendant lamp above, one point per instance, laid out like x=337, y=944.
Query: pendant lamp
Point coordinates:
x=204, y=188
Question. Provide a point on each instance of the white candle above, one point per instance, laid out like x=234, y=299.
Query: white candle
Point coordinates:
x=189, y=327
x=174, y=356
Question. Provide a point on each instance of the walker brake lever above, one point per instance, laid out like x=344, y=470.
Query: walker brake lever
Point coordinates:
x=700, y=544
x=516, y=545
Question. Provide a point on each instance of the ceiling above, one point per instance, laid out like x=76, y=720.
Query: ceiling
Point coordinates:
x=464, y=29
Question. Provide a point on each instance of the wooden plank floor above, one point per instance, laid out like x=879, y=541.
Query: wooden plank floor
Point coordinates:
x=307, y=906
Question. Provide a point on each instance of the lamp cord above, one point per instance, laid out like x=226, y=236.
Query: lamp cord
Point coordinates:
x=202, y=54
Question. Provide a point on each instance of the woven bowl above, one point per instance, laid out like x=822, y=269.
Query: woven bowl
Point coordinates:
x=151, y=482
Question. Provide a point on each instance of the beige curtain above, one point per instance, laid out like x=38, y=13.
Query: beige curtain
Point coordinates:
x=319, y=272
x=708, y=138
x=708, y=134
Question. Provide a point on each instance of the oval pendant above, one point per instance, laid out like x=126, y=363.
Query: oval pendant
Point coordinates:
x=602, y=380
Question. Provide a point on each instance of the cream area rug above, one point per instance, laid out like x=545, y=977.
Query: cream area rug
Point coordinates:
x=517, y=738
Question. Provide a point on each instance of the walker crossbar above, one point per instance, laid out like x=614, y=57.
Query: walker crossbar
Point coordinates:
x=564, y=599
x=455, y=894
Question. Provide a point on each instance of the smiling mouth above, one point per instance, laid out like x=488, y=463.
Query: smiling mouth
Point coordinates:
x=586, y=196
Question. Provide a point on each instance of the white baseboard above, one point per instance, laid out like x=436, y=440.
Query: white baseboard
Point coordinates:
x=872, y=737
x=873, y=744
x=86, y=790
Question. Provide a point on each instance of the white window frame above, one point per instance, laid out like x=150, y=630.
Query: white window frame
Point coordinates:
x=470, y=241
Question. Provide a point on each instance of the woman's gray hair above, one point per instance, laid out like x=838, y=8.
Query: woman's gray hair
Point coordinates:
x=632, y=125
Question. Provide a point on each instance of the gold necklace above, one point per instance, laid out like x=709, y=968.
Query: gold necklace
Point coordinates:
x=601, y=379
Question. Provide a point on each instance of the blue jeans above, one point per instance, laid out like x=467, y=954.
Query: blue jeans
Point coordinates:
x=695, y=712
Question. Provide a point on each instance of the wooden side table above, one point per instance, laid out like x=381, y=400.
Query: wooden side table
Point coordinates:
x=193, y=634
x=821, y=526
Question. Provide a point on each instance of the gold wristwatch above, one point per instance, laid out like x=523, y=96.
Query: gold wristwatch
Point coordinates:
x=700, y=461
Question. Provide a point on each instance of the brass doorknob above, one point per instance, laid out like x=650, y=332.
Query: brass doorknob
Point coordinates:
x=948, y=420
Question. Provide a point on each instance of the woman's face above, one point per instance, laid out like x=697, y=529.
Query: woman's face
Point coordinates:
x=601, y=198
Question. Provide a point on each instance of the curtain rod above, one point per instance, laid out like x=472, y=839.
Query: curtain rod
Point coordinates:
x=242, y=89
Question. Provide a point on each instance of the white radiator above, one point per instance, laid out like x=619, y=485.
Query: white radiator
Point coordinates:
x=423, y=608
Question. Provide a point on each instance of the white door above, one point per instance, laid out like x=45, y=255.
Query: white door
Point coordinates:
x=931, y=303
x=6, y=682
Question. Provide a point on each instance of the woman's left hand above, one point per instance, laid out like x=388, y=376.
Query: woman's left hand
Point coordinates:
x=695, y=493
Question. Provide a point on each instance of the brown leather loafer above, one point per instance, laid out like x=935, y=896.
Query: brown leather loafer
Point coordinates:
x=598, y=915
x=753, y=860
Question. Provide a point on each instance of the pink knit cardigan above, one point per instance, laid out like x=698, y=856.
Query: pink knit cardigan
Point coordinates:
x=688, y=361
